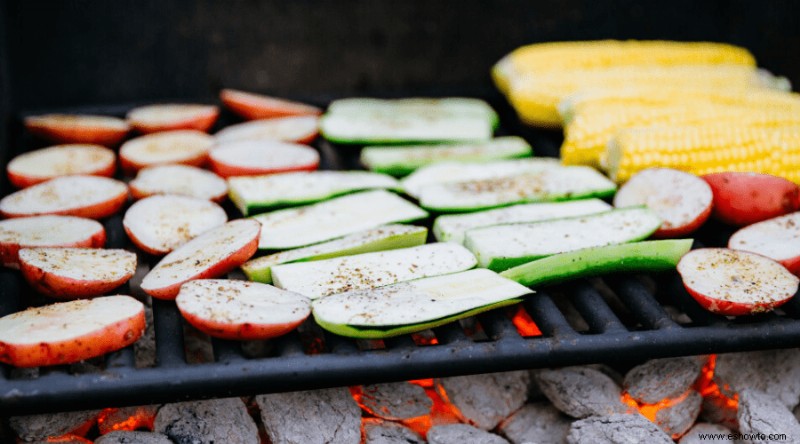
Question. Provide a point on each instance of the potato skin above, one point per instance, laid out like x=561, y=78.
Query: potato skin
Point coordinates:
x=61, y=287
x=745, y=198
x=58, y=133
x=253, y=106
x=200, y=123
x=96, y=211
x=240, y=331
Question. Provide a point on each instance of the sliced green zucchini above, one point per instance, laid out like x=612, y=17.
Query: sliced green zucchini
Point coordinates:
x=656, y=255
x=448, y=106
x=369, y=270
x=337, y=217
x=501, y=247
x=451, y=227
x=408, y=307
x=403, y=160
x=256, y=194
x=380, y=128
x=553, y=184
x=387, y=237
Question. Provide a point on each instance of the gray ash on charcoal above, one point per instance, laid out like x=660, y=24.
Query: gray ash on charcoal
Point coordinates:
x=677, y=419
x=207, y=422
x=717, y=413
x=386, y=432
x=485, y=400
x=37, y=427
x=660, y=379
x=537, y=422
x=581, y=392
x=764, y=415
x=704, y=428
x=462, y=434
x=133, y=438
x=395, y=401
x=774, y=372
x=615, y=429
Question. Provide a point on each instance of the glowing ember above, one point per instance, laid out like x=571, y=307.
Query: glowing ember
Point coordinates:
x=524, y=324
x=139, y=418
x=711, y=391
x=70, y=438
x=424, y=338
x=312, y=344
x=650, y=411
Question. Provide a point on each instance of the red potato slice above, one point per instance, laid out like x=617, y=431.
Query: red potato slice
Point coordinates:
x=777, y=239
x=745, y=198
x=67, y=128
x=183, y=180
x=681, y=200
x=83, y=196
x=256, y=106
x=61, y=160
x=298, y=129
x=255, y=157
x=187, y=147
x=160, y=224
x=210, y=255
x=241, y=310
x=69, y=332
x=733, y=283
x=76, y=272
x=47, y=231
x=168, y=117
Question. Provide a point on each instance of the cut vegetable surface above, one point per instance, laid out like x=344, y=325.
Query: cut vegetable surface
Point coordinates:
x=379, y=127
x=254, y=157
x=71, y=331
x=255, y=194
x=744, y=198
x=733, y=283
x=299, y=129
x=66, y=128
x=167, y=117
x=241, y=310
x=413, y=306
x=451, y=227
x=553, y=184
x=501, y=247
x=387, y=237
x=61, y=160
x=183, y=180
x=683, y=201
x=311, y=224
x=47, y=231
x=160, y=224
x=648, y=256
x=188, y=147
x=84, y=196
x=76, y=272
x=777, y=239
x=210, y=255
x=369, y=270
x=402, y=160
x=424, y=106
x=257, y=106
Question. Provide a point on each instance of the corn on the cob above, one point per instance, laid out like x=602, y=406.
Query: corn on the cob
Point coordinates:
x=706, y=149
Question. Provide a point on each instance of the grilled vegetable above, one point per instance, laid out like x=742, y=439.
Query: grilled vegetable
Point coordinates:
x=188, y=147
x=297, y=129
x=256, y=106
x=402, y=160
x=254, y=157
x=76, y=272
x=311, y=224
x=160, y=224
x=744, y=198
x=387, y=237
x=733, y=283
x=413, y=306
x=65, y=128
x=61, y=160
x=645, y=256
x=47, y=231
x=501, y=247
x=683, y=201
x=182, y=180
x=448, y=106
x=71, y=331
x=777, y=239
x=369, y=270
x=84, y=196
x=209, y=255
x=255, y=194
x=451, y=227
x=241, y=310
x=561, y=183
x=169, y=117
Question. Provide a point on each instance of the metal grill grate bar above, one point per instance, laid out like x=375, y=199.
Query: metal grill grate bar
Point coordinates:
x=643, y=305
x=593, y=309
x=547, y=316
x=169, y=334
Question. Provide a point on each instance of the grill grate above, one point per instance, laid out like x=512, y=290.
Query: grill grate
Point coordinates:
x=597, y=320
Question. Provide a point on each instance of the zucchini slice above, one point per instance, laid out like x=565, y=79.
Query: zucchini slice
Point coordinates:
x=369, y=270
x=408, y=307
x=387, y=237
x=501, y=247
x=337, y=217
x=403, y=160
x=379, y=128
x=553, y=184
x=448, y=106
x=256, y=194
x=451, y=227
x=656, y=255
